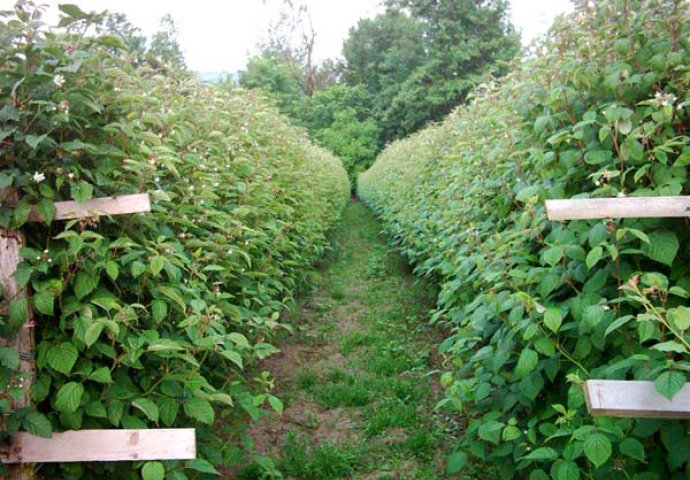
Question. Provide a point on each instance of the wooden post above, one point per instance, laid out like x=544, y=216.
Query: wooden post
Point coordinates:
x=23, y=340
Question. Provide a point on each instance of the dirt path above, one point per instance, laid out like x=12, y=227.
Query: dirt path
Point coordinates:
x=357, y=378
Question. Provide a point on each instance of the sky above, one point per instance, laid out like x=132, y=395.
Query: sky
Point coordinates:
x=220, y=35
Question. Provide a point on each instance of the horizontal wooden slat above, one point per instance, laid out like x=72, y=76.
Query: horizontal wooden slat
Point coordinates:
x=619, y=398
x=102, y=446
x=121, y=205
x=623, y=207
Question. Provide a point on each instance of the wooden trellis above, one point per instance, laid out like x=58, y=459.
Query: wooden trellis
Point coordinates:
x=84, y=445
x=624, y=398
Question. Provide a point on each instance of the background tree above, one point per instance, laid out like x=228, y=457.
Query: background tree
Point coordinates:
x=165, y=46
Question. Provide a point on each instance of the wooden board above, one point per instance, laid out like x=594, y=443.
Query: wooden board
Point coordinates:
x=23, y=339
x=624, y=207
x=102, y=446
x=124, y=204
x=620, y=398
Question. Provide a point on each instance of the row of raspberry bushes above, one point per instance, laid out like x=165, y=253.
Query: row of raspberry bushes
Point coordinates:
x=600, y=109
x=150, y=320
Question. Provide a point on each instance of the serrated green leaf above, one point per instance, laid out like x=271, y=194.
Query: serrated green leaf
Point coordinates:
x=553, y=319
x=597, y=448
x=153, y=471
x=37, y=424
x=527, y=362
x=633, y=448
x=542, y=454
x=456, y=462
x=233, y=356
x=201, y=465
x=159, y=310
x=663, y=247
x=68, y=397
x=81, y=191
x=680, y=317
x=62, y=357
x=148, y=408
x=93, y=332
x=101, y=375
x=18, y=313
x=112, y=269
x=594, y=256
x=553, y=255
x=43, y=302
x=9, y=358
x=669, y=383
x=565, y=470
x=156, y=265
x=199, y=409
x=84, y=284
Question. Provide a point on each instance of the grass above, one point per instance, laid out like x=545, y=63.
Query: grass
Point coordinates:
x=367, y=376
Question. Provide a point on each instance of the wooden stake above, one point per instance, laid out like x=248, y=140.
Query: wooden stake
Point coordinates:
x=103, y=446
x=23, y=341
x=634, y=398
x=624, y=207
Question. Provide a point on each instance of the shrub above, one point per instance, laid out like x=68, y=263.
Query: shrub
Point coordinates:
x=150, y=320
x=536, y=307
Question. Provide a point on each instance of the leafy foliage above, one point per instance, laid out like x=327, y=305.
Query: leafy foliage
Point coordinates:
x=149, y=320
x=535, y=307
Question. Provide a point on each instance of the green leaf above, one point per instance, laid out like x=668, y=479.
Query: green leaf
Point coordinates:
x=174, y=295
x=37, y=424
x=633, y=448
x=101, y=375
x=43, y=302
x=565, y=470
x=72, y=10
x=137, y=268
x=275, y=403
x=9, y=358
x=596, y=157
x=553, y=319
x=553, y=255
x=81, y=191
x=670, y=346
x=159, y=309
x=148, y=407
x=168, y=410
x=617, y=323
x=18, y=313
x=199, y=409
x=46, y=209
x=669, y=383
x=68, y=397
x=597, y=449
x=84, y=284
x=156, y=265
x=112, y=270
x=35, y=140
x=201, y=465
x=153, y=471
x=456, y=462
x=233, y=356
x=93, y=332
x=542, y=454
x=680, y=317
x=62, y=357
x=527, y=362
x=662, y=248
x=594, y=256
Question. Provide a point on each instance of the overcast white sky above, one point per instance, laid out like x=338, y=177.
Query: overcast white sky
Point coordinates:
x=218, y=35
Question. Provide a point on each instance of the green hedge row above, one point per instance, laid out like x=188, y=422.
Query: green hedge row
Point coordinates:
x=150, y=320
x=600, y=109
